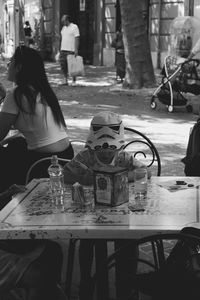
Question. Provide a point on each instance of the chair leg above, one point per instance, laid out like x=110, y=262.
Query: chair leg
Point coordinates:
x=62, y=295
x=101, y=255
x=70, y=266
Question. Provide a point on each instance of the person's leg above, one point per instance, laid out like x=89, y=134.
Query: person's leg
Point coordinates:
x=43, y=275
x=126, y=266
x=86, y=252
x=63, y=64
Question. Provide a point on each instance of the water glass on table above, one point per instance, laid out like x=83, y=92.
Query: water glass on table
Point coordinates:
x=140, y=189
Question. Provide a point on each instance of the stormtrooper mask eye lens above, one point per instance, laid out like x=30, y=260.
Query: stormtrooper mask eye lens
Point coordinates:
x=96, y=128
x=105, y=146
x=115, y=128
x=97, y=148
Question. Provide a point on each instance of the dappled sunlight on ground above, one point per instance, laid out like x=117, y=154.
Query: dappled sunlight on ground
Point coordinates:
x=169, y=135
x=92, y=78
x=98, y=91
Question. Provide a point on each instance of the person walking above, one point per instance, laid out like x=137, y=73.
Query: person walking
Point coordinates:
x=69, y=45
x=28, y=34
x=120, y=61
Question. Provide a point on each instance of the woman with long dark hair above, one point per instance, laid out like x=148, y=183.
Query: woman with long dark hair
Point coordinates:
x=33, y=109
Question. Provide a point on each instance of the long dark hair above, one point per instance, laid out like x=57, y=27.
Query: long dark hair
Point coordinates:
x=31, y=79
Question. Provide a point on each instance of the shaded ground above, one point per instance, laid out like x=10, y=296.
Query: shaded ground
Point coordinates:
x=99, y=91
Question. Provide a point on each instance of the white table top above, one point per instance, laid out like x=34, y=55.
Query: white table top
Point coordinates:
x=32, y=215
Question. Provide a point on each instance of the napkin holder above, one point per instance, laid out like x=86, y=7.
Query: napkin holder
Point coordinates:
x=111, y=185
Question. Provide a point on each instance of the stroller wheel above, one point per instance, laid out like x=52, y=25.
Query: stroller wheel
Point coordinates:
x=170, y=108
x=189, y=108
x=153, y=105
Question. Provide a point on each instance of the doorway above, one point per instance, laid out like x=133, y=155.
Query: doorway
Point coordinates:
x=82, y=13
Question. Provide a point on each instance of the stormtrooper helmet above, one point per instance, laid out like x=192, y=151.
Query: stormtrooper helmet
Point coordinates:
x=106, y=132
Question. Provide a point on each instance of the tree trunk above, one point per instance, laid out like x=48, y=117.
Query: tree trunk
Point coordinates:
x=21, y=24
x=139, y=68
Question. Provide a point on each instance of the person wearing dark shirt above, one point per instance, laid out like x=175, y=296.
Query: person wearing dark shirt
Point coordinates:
x=28, y=34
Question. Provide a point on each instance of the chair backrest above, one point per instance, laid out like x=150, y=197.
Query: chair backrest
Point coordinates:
x=78, y=145
x=143, y=149
x=42, y=163
x=155, y=265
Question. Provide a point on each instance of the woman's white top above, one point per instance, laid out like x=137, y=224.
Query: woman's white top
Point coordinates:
x=39, y=129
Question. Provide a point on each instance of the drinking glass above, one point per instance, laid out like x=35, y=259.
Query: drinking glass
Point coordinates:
x=140, y=183
x=140, y=189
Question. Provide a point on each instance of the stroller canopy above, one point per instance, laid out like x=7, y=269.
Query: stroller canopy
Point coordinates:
x=184, y=33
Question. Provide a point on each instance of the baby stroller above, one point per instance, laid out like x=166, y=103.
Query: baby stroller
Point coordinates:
x=180, y=76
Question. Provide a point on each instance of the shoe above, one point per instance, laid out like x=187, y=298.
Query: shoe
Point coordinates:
x=64, y=82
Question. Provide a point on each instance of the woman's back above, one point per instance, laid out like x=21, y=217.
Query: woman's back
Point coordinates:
x=40, y=128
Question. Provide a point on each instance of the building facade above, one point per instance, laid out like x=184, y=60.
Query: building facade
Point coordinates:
x=98, y=21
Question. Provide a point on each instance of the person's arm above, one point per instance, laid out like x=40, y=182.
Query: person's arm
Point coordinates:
x=195, y=50
x=135, y=164
x=8, y=115
x=125, y=160
x=12, y=190
x=76, y=41
x=78, y=171
x=6, y=196
x=76, y=45
x=6, y=122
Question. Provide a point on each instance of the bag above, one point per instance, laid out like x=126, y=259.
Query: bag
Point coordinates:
x=188, y=80
x=192, y=158
x=75, y=65
x=165, y=97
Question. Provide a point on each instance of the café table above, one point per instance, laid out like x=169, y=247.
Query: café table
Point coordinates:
x=172, y=203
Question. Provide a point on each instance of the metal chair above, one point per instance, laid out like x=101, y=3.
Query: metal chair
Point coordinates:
x=143, y=149
x=77, y=144
x=72, y=242
x=39, y=162
x=150, y=277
